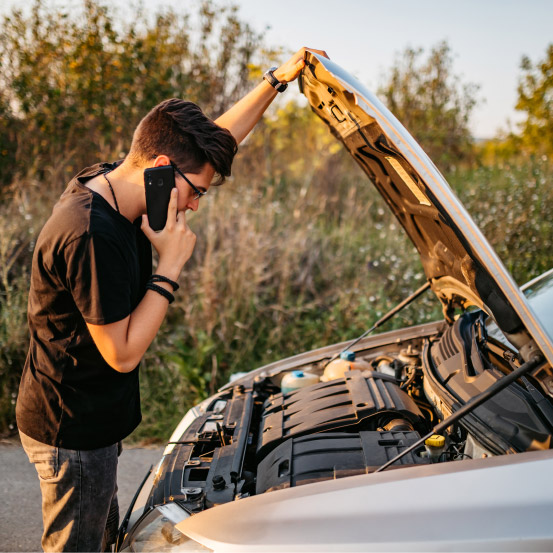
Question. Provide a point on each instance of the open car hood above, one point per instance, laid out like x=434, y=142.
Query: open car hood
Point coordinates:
x=459, y=263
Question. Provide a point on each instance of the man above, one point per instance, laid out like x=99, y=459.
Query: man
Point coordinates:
x=95, y=307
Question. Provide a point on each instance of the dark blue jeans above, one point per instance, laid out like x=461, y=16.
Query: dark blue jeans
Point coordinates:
x=79, y=495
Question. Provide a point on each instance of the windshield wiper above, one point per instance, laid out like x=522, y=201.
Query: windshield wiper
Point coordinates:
x=539, y=399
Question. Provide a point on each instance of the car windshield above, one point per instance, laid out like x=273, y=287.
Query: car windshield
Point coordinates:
x=539, y=293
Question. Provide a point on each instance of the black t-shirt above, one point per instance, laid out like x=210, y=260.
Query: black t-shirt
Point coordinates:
x=90, y=264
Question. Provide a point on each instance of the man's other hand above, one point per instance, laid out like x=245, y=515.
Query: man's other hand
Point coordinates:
x=242, y=117
x=290, y=70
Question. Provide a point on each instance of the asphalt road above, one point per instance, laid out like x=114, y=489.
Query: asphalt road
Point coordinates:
x=20, y=514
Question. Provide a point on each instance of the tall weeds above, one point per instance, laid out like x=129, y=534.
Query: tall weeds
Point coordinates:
x=277, y=271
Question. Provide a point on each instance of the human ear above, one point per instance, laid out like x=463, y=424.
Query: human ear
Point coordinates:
x=161, y=160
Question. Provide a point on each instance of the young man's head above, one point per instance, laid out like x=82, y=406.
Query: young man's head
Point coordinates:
x=180, y=130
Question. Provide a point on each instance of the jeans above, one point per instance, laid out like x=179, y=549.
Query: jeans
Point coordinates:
x=79, y=495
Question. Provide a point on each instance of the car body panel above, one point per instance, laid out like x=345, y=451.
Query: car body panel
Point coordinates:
x=462, y=267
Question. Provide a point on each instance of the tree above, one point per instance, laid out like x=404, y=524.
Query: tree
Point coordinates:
x=535, y=99
x=76, y=82
x=432, y=103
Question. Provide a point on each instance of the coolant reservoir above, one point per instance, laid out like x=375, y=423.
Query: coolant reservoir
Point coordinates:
x=297, y=379
x=346, y=362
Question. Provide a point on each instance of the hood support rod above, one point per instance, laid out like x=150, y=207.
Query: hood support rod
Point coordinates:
x=496, y=387
x=383, y=319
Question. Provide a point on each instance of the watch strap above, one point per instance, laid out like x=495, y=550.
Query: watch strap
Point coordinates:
x=269, y=76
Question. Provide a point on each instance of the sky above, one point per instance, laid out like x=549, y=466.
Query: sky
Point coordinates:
x=487, y=38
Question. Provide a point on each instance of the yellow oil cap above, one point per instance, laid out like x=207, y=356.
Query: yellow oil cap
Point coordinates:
x=435, y=441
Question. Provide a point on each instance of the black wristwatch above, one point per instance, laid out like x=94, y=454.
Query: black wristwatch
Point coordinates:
x=273, y=81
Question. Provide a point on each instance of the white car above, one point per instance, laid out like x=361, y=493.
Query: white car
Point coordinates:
x=431, y=438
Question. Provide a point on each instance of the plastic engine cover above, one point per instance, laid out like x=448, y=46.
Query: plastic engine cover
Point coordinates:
x=360, y=401
x=333, y=455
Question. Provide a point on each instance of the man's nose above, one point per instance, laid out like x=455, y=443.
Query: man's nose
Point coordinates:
x=193, y=205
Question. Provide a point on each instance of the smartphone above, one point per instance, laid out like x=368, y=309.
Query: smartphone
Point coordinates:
x=158, y=183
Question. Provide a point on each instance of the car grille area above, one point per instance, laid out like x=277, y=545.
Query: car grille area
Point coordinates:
x=332, y=455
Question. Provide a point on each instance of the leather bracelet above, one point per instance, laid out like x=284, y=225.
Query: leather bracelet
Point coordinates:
x=161, y=278
x=167, y=295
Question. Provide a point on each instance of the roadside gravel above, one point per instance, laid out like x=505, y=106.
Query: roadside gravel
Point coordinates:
x=20, y=513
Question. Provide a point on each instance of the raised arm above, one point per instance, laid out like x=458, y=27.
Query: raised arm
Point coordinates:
x=241, y=118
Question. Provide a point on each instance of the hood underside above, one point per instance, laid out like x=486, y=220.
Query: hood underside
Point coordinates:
x=459, y=263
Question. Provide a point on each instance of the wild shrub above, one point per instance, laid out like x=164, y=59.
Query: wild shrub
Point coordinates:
x=74, y=84
x=433, y=104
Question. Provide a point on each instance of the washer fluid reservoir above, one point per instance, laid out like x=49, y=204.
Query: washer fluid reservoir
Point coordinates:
x=346, y=362
x=297, y=379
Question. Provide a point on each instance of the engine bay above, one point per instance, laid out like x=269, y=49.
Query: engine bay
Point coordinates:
x=257, y=435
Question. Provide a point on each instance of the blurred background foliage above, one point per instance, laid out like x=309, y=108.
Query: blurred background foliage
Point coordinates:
x=297, y=250
x=433, y=104
x=72, y=84
x=535, y=100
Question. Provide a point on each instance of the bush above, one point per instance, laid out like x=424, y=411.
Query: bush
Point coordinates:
x=75, y=86
x=513, y=205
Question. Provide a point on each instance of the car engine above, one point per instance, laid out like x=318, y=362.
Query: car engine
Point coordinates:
x=253, y=437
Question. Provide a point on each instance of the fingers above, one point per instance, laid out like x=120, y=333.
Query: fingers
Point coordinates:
x=174, y=244
x=181, y=219
x=187, y=236
x=146, y=229
x=302, y=51
x=291, y=69
x=300, y=65
x=172, y=209
x=182, y=226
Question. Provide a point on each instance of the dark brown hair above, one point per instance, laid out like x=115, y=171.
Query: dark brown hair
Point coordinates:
x=180, y=130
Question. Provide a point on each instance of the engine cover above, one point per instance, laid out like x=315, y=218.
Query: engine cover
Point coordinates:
x=360, y=401
x=333, y=455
